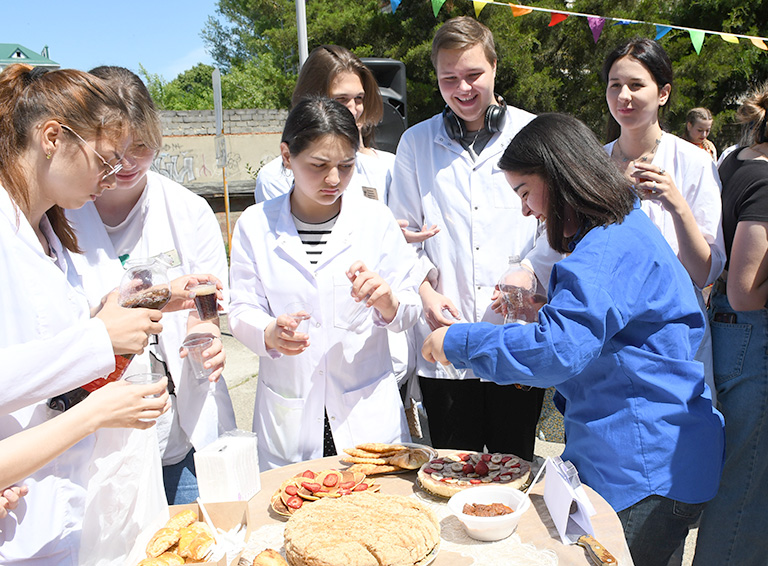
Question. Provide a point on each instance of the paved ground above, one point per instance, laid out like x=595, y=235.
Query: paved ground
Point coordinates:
x=242, y=372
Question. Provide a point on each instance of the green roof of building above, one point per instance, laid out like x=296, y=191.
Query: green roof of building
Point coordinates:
x=11, y=53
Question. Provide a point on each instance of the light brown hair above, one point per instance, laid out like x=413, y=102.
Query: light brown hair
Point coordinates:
x=144, y=120
x=464, y=33
x=753, y=115
x=322, y=66
x=30, y=96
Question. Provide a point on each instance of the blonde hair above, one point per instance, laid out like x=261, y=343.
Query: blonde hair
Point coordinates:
x=30, y=96
x=144, y=120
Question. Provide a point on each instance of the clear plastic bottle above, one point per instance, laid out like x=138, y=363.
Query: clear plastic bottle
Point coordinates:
x=518, y=287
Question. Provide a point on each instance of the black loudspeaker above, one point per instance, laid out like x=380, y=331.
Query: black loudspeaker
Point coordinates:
x=390, y=75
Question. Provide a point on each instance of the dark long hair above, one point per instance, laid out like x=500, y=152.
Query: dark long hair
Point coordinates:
x=315, y=117
x=578, y=173
x=650, y=55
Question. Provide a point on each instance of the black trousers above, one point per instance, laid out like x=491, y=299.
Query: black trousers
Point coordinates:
x=471, y=414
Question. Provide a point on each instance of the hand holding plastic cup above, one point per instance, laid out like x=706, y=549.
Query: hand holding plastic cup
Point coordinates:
x=452, y=371
x=205, y=300
x=301, y=313
x=195, y=347
x=145, y=379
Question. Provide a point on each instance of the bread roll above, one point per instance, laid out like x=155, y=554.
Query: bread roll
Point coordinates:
x=269, y=557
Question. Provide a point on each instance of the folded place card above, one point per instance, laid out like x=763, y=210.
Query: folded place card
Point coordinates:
x=566, y=500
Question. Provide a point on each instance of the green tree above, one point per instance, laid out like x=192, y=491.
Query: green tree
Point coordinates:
x=541, y=68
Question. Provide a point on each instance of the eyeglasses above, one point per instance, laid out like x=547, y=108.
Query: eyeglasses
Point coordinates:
x=111, y=169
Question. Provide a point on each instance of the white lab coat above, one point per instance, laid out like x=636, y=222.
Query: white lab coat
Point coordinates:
x=696, y=177
x=373, y=174
x=435, y=181
x=347, y=368
x=174, y=219
x=48, y=345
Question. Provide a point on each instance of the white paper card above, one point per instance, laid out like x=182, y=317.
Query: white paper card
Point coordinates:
x=569, y=508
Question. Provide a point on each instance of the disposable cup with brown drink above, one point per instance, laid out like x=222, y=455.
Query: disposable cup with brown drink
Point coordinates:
x=205, y=300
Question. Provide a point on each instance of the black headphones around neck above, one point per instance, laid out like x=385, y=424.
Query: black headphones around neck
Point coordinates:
x=494, y=119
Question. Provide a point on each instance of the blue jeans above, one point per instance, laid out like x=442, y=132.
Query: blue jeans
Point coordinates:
x=734, y=527
x=656, y=526
x=180, y=481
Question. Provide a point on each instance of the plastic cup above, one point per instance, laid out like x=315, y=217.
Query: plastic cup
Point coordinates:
x=205, y=300
x=195, y=348
x=452, y=371
x=301, y=313
x=145, y=379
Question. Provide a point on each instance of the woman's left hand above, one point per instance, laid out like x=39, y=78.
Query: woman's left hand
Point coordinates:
x=370, y=287
x=655, y=183
x=432, y=350
x=213, y=358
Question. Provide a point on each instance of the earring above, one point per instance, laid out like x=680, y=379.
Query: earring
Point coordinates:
x=47, y=155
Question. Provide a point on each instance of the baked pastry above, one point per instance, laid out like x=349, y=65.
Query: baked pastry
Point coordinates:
x=411, y=459
x=182, y=519
x=269, y=557
x=195, y=541
x=162, y=540
x=343, y=531
x=450, y=474
x=165, y=559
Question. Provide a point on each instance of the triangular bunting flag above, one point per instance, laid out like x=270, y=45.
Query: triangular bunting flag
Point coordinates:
x=623, y=23
x=729, y=38
x=759, y=43
x=394, y=4
x=697, y=38
x=596, y=25
x=557, y=18
x=436, y=5
x=518, y=11
x=661, y=31
x=479, y=5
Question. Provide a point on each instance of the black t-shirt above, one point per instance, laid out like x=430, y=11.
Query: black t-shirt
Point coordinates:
x=745, y=194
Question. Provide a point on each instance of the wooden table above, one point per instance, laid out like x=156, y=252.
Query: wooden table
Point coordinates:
x=535, y=526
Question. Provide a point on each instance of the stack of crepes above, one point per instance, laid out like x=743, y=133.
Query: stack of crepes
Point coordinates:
x=379, y=458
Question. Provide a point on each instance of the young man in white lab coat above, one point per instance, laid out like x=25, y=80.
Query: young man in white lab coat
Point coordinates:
x=446, y=173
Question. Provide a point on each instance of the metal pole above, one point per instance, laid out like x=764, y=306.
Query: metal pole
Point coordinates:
x=301, y=26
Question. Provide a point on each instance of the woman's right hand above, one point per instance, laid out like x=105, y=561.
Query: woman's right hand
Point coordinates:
x=124, y=405
x=129, y=329
x=10, y=497
x=434, y=304
x=281, y=335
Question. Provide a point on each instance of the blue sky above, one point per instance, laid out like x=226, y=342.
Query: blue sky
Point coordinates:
x=161, y=35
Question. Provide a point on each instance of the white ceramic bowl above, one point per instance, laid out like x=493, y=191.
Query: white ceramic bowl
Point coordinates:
x=490, y=528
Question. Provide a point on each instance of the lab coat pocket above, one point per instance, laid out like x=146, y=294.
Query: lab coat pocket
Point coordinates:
x=348, y=314
x=376, y=412
x=278, y=422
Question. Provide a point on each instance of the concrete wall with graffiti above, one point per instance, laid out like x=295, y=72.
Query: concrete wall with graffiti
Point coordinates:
x=188, y=155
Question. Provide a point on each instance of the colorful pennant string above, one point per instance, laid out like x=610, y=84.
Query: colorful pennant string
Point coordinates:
x=596, y=23
x=557, y=17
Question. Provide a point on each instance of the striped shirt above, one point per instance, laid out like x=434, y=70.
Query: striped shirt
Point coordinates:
x=314, y=236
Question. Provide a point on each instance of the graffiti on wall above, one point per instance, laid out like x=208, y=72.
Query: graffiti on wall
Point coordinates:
x=186, y=166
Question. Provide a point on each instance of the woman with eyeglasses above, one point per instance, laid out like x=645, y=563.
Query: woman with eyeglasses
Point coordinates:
x=61, y=141
x=148, y=214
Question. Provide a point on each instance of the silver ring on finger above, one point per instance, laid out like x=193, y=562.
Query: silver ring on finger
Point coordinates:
x=654, y=186
x=662, y=171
